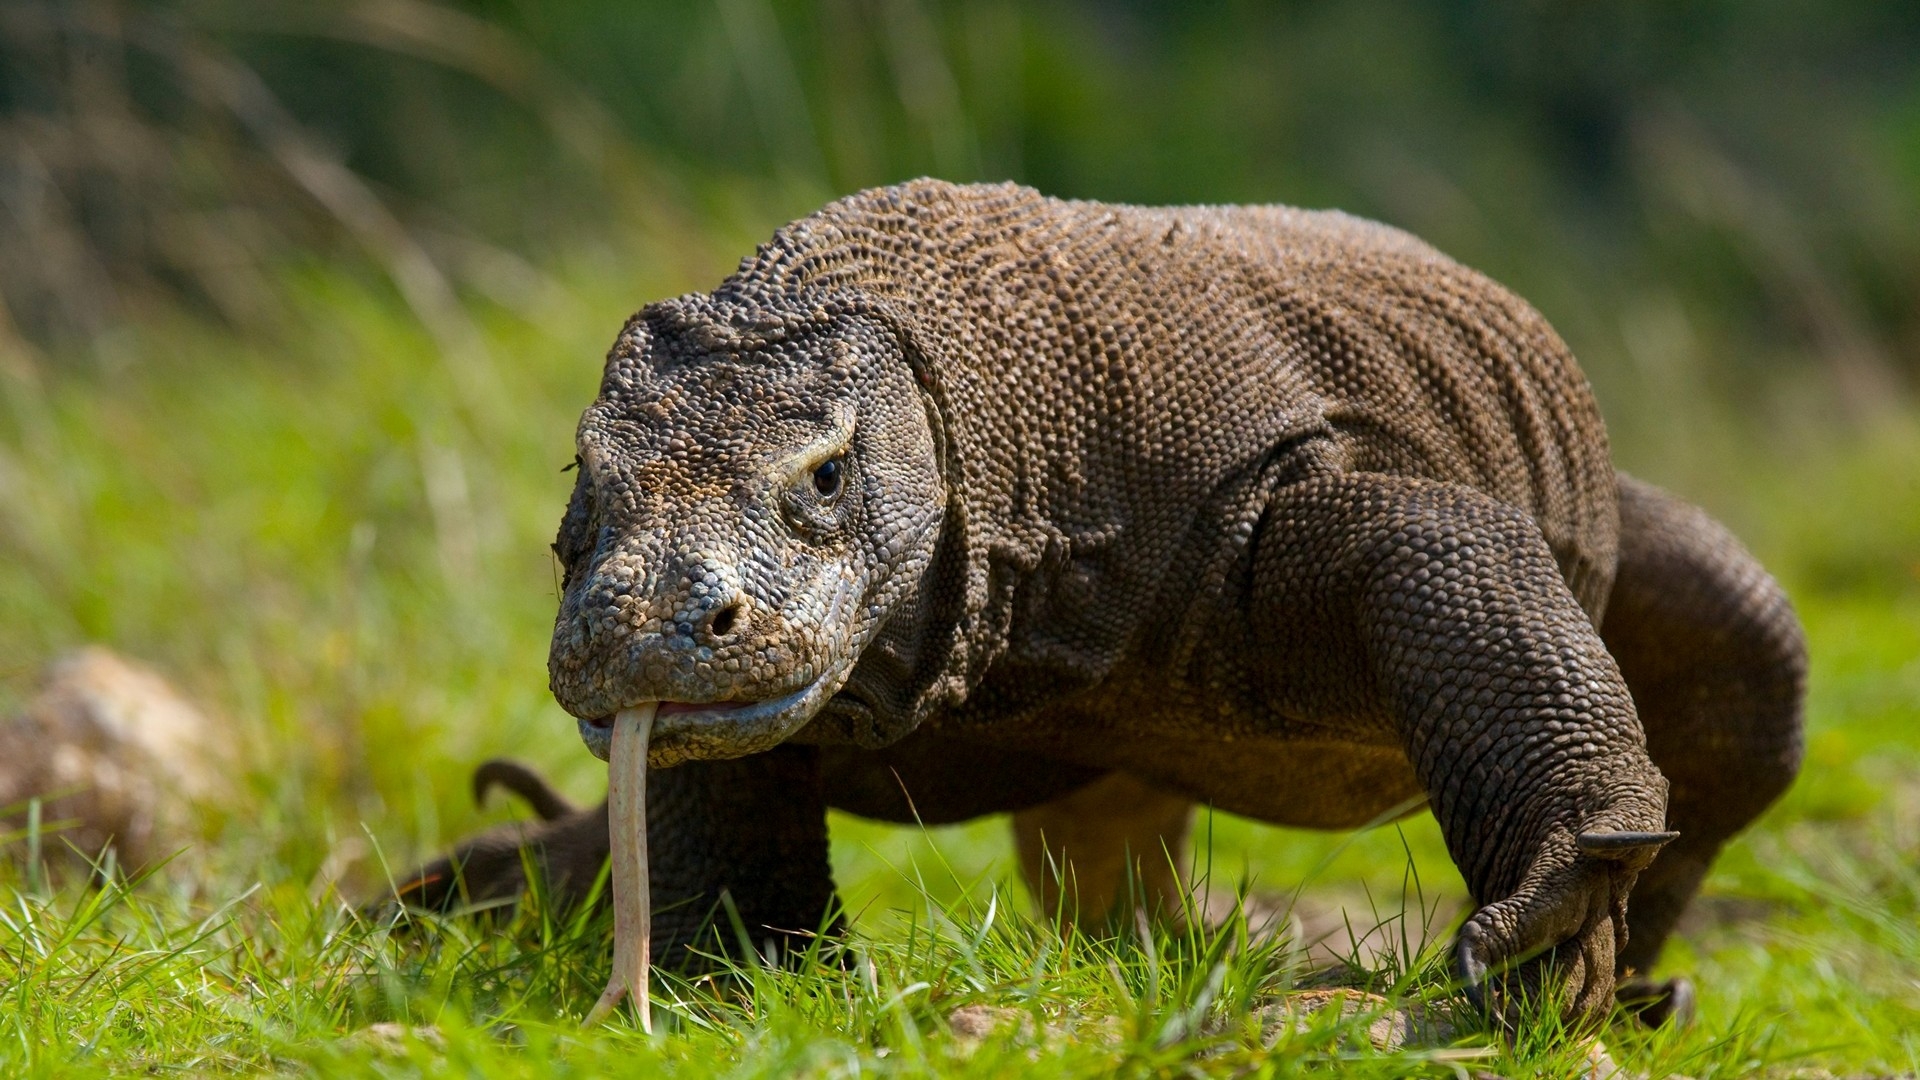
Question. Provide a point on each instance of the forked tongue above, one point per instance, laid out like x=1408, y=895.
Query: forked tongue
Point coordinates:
x=627, y=826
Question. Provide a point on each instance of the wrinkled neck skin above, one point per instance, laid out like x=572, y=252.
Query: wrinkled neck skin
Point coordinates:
x=901, y=678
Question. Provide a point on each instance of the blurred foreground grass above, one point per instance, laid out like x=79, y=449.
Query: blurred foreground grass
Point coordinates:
x=337, y=539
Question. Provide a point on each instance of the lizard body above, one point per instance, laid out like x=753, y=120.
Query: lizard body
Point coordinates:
x=961, y=500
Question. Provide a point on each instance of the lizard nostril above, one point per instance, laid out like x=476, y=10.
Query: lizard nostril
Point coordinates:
x=722, y=622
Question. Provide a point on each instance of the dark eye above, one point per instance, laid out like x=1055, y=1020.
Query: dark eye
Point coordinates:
x=826, y=477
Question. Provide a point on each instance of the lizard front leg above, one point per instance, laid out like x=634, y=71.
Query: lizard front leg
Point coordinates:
x=1440, y=616
x=753, y=828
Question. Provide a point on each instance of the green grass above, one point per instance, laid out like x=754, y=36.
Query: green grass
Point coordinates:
x=337, y=540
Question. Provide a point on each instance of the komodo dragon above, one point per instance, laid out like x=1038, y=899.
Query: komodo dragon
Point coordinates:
x=963, y=500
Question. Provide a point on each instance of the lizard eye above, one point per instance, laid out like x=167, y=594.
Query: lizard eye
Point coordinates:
x=827, y=477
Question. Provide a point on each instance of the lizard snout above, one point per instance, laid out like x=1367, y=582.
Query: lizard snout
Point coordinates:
x=731, y=666
x=708, y=605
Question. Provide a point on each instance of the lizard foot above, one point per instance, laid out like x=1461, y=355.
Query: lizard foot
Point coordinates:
x=1557, y=936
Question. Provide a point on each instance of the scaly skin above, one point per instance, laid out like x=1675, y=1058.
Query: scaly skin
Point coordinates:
x=956, y=500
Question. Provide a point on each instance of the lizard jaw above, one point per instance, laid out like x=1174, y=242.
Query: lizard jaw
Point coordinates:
x=719, y=729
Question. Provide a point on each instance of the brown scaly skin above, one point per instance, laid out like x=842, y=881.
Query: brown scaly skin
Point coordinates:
x=958, y=500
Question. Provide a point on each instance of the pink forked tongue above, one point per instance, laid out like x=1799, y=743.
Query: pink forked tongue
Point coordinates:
x=627, y=826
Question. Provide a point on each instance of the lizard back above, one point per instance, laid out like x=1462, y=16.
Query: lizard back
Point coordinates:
x=1114, y=382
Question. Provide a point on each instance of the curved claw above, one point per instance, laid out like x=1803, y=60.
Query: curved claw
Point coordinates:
x=1471, y=963
x=1560, y=932
x=1623, y=846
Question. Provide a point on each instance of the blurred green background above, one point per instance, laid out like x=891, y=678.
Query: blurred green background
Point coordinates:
x=1715, y=198
x=299, y=302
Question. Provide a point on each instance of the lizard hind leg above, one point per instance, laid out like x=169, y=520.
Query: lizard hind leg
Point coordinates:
x=1716, y=662
x=1084, y=852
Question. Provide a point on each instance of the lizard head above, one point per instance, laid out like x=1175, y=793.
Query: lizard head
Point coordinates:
x=758, y=492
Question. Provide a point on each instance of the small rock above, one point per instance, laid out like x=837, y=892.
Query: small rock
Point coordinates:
x=1393, y=1029
x=392, y=1038
x=1601, y=1066
x=973, y=1024
x=118, y=758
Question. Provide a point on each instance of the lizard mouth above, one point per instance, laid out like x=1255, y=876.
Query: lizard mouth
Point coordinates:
x=688, y=730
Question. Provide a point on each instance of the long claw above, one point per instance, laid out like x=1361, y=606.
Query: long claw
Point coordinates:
x=1622, y=846
x=1470, y=960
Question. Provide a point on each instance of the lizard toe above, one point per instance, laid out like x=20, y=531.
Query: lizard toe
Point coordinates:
x=1558, y=936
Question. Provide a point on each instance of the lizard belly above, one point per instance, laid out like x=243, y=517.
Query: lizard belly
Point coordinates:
x=1304, y=784
x=1311, y=772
